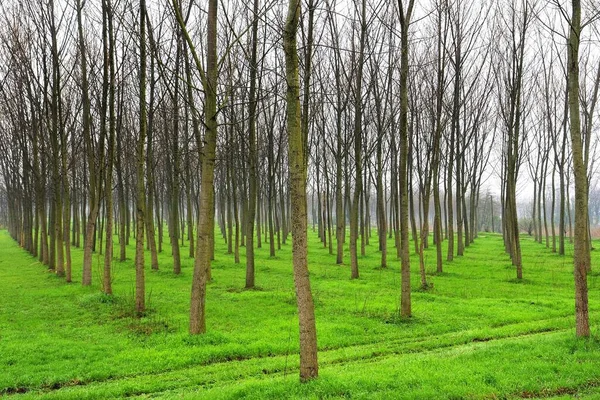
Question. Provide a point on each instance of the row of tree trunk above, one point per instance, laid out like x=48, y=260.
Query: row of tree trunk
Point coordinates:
x=361, y=128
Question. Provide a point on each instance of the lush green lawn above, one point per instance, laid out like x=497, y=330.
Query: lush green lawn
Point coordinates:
x=476, y=334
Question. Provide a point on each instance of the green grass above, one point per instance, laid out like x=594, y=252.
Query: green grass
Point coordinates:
x=478, y=333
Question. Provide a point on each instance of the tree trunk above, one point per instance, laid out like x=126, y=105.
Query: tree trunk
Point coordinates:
x=252, y=154
x=581, y=255
x=206, y=202
x=140, y=283
x=109, y=82
x=405, y=300
x=95, y=181
x=354, y=209
x=175, y=170
x=297, y=168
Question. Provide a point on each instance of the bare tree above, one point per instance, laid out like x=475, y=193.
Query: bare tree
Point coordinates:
x=140, y=283
x=581, y=254
x=509, y=75
x=405, y=20
x=296, y=159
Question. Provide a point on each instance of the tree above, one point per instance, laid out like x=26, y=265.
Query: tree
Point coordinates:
x=109, y=90
x=140, y=201
x=342, y=77
x=358, y=142
x=208, y=151
x=509, y=75
x=175, y=163
x=252, y=194
x=56, y=132
x=95, y=155
x=442, y=23
x=405, y=300
x=308, y=333
x=581, y=255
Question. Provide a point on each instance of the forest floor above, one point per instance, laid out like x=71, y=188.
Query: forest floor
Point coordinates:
x=477, y=333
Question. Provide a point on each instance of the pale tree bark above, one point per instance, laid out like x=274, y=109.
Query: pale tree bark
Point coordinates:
x=297, y=168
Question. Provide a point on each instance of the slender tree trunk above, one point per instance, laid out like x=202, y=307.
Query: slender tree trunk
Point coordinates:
x=229, y=204
x=109, y=78
x=175, y=176
x=296, y=159
x=140, y=282
x=357, y=149
x=411, y=206
x=95, y=181
x=437, y=139
x=405, y=298
x=581, y=255
x=121, y=197
x=381, y=219
x=252, y=154
x=206, y=202
x=56, y=127
x=552, y=209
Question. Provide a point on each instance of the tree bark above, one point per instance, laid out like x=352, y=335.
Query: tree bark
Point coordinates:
x=109, y=70
x=252, y=154
x=140, y=283
x=208, y=153
x=581, y=255
x=358, y=187
x=405, y=298
x=297, y=168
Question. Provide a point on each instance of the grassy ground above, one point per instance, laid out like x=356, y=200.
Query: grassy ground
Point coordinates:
x=477, y=333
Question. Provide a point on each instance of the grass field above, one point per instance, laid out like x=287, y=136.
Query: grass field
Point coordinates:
x=478, y=333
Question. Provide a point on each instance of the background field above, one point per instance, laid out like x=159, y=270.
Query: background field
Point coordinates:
x=478, y=333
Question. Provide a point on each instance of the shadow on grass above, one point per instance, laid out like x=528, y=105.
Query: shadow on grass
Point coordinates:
x=521, y=281
x=234, y=289
x=443, y=274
